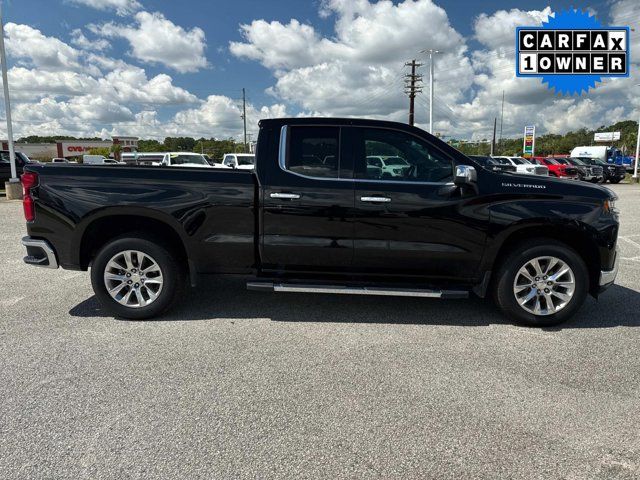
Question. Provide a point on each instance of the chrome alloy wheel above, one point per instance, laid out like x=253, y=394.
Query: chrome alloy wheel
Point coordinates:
x=544, y=285
x=133, y=279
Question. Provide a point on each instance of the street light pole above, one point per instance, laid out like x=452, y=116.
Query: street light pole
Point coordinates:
x=431, y=93
x=431, y=52
x=7, y=103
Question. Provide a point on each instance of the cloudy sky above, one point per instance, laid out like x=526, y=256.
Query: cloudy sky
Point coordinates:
x=157, y=68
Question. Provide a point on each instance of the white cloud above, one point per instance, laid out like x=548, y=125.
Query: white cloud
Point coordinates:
x=527, y=100
x=81, y=41
x=126, y=84
x=359, y=71
x=78, y=114
x=122, y=7
x=498, y=30
x=218, y=116
x=157, y=40
x=27, y=43
x=222, y=115
x=58, y=89
x=131, y=85
x=30, y=84
x=356, y=71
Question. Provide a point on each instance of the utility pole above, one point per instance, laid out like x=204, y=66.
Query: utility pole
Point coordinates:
x=244, y=118
x=431, y=52
x=493, y=141
x=7, y=104
x=412, y=87
x=501, y=118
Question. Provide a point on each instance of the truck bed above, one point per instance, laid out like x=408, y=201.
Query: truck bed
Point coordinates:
x=208, y=209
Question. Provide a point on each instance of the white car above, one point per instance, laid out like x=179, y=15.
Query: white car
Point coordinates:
x=94, y=159
x=241, y=161
x=390, y=166
x=523, y=166
x=184, y=159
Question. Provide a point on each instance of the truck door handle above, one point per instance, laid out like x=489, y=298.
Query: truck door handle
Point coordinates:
x=288, y=196
x=375, y=199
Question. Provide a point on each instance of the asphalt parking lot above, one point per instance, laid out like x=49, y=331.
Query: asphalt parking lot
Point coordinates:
x=237, y=384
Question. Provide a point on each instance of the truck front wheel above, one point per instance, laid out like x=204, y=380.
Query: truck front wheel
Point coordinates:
x=541, y=283
x=134, y=277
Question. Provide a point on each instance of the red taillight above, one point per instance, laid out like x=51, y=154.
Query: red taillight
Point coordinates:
x=29, y=208
x=29, y=180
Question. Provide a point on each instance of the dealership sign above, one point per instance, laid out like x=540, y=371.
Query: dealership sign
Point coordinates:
x=606, y=136
x=572, y=51
x=529, y=141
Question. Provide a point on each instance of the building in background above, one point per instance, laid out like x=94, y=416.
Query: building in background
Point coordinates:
x=71, y=148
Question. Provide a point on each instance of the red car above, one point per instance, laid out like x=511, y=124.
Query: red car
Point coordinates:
x=556, y=169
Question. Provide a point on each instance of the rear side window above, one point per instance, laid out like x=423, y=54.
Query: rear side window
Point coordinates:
x=4, y=157
x=313, y=151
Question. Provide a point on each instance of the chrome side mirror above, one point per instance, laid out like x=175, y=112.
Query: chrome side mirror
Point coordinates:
x=465, y=175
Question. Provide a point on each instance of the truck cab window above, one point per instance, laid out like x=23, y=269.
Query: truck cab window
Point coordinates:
x=395, y=155
x=313, y=151
x=4, y=158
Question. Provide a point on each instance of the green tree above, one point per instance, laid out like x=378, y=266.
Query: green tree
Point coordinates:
x=116, y=149
x=104, y=151
x=151, y=146
x=179, y=144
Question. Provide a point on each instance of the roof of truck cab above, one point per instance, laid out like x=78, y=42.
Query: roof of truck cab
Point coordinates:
x=334, y=121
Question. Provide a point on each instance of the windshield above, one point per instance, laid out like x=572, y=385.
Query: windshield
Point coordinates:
x=520, y=161
x=502, y=161
x=552, y=161
x=563, y=161
x=395, y=161
x=187, y=160
x=246, y=159
x=578, y=162
x=590, y=161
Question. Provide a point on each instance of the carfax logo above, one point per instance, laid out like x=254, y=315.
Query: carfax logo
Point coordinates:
x=572, y=51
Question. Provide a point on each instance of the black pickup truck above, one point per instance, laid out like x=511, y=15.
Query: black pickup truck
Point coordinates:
x=334, y=206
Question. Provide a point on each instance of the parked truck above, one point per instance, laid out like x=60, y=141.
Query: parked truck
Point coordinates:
x=314, y=218
x=610, y=155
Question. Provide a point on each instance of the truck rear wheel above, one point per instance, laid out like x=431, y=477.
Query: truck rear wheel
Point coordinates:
x=135, y=277
x=541, y=283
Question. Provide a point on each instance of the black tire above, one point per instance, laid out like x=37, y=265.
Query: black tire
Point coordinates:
x=615, y=180
x=172, y=275
x=504, y=294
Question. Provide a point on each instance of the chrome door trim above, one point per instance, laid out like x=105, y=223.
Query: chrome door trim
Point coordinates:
x=282, y=158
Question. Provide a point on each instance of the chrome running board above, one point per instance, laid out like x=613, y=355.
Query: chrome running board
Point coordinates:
x=349, y=290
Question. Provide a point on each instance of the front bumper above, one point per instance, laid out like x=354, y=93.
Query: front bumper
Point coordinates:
x=39, y=253
x=607, y=277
